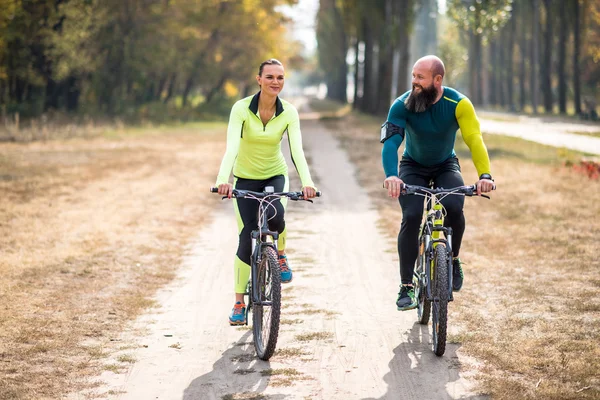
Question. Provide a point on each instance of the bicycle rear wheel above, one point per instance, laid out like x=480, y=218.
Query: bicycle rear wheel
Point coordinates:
x=440, y=300
x=266, y=313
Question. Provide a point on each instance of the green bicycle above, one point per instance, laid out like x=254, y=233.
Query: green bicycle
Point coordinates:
x=432, y=278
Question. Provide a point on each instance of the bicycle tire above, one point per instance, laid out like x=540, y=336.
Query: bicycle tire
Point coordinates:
x=423, y=304
x=440, y=300
x=265, y=319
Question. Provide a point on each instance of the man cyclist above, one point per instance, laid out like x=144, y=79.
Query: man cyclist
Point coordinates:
x=426, y=118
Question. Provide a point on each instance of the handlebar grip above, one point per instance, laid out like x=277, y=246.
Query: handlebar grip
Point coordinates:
x=319, y=193
x=214, y=190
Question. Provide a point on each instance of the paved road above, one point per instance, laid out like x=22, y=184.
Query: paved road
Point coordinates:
x=558, y=134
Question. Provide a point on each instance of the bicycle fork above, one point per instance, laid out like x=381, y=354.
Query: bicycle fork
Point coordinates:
x=437, y=239
x=257, y=246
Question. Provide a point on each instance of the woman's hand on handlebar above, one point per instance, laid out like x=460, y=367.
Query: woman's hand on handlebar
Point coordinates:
x=309, y=192
x=226, y=189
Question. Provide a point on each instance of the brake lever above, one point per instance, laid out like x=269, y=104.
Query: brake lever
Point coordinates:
x=486, y=196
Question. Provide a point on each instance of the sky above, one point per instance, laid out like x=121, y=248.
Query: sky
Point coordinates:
x=304, y=14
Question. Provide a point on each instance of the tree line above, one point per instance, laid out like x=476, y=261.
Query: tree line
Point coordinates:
x=527, y=55
x=115, y=55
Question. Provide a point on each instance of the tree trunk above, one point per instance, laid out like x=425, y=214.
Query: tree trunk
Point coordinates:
x=211, y=93
x=495, y=72
x=501, y=76
x=562, y=54
x=385, y=62
x=523, y=56
x=535, y=56
x=370, y=75
x=547, y=64
x=72, y=94
x=357, y=74
x=576, y=57
x=171, y=88
x=161, y=87
x=186, y=91
x=510, y=96
x=478, y=72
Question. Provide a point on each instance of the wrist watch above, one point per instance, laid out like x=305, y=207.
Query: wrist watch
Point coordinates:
x=486, y=176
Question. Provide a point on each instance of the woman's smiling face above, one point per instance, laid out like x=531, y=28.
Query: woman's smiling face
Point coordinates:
x=272, y=79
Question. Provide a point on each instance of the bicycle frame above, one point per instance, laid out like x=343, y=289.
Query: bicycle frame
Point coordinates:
x=430, y=237
x=260, y=238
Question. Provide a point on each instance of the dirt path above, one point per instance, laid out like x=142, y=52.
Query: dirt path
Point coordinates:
x=342, y=337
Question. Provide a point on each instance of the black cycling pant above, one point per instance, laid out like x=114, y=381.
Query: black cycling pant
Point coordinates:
x=248, y=212
x=444, y=175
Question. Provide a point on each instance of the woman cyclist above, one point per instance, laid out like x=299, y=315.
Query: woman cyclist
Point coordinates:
x=256, y=127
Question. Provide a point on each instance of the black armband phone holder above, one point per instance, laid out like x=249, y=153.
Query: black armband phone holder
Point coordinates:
x=388, y=130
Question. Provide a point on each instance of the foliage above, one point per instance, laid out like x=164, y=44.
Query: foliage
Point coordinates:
x=115, y=55
x=482, y=17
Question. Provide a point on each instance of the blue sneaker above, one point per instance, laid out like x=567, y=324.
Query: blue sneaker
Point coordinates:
x=238, y=314
x=406, y=298
x=286, y=271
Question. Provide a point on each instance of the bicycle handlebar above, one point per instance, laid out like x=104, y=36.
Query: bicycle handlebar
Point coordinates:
x=465, y=190
x=238, y=193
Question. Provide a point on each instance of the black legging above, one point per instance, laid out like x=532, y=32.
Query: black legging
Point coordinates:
x=248, y=209
x=445, y=175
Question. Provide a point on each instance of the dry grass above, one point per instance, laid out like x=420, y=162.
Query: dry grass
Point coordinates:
x=529, y=308
x=283, y=377
x=89, y=229
x=289, y=352
x=307, y=337
x=245, y=396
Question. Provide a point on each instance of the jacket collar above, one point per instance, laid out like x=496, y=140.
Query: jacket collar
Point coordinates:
x=254, y=105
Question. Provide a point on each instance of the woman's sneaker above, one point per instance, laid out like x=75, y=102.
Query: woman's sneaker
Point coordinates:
x=406, y=298
x=286, y=271
x=238, y=314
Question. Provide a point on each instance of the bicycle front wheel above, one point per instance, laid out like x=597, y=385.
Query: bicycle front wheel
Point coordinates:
x=266, y=313
x=423, y=304
x=440, y=300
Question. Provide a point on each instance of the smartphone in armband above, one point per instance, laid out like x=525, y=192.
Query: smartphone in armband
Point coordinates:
x=388, y=130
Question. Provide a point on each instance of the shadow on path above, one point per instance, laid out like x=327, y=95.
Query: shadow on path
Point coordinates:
x=236, y=375
x=417, y=373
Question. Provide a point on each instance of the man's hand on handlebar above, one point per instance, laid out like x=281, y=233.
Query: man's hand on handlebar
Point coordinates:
x=485, y=186
x=393, y=184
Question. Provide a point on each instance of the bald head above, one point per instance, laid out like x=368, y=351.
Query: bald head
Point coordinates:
x=431, y=63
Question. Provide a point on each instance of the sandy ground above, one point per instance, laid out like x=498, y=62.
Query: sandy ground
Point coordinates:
x=344, y=288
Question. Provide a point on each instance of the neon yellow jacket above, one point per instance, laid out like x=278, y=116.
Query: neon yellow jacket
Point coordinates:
x=254, y=150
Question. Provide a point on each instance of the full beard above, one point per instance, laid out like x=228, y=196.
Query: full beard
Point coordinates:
x=421, y=101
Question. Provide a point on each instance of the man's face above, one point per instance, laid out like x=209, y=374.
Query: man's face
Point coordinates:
x=423, y=93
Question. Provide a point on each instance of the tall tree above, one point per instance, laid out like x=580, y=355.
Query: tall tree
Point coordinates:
x=535, y=55
x=576, y=56
x=479, y=18
x=333, y=47
x=546, y=66
x=562, y=55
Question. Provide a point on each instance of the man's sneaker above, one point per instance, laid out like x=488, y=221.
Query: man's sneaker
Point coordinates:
x=406, y=298
x=457, y=275
x=286, y=271
x=238, y=314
